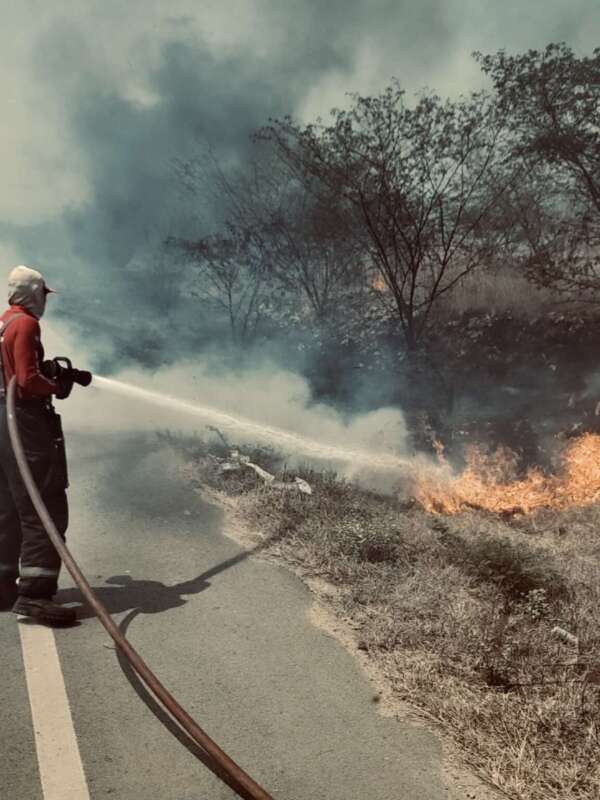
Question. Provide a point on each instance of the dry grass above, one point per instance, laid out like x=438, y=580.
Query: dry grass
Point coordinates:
x=458, y=613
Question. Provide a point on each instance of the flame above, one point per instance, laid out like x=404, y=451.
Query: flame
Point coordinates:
x=486, y=482
x=378, y=283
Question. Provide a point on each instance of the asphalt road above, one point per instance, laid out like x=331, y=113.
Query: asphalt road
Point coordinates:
x=227, y=633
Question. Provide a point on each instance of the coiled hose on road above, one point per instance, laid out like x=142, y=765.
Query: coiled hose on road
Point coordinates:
x=216, y=759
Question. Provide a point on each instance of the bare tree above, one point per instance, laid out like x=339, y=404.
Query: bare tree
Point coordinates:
x=298, y=226
x=552, y=100
x=229, y=278
x=421, y=183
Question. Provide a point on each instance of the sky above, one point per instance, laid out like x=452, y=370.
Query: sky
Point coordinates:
x=100, y=98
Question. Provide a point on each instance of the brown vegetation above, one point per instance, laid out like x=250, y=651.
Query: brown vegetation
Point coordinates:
x=491, y=627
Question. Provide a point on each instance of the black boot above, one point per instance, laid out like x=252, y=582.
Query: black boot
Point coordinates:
x=8, y=594
x=44, y=610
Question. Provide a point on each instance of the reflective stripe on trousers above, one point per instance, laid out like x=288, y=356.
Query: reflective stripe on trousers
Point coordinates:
x=37, y=572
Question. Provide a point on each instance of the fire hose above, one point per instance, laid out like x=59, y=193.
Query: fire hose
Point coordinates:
x=216, y=759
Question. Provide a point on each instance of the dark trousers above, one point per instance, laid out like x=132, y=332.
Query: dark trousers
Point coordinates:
x=25, y=548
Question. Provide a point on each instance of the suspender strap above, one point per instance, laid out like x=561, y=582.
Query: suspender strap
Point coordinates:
x=3, y=328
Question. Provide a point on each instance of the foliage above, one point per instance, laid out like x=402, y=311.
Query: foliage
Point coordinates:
x=552, y=99
x=421, y=184
x=363, y=240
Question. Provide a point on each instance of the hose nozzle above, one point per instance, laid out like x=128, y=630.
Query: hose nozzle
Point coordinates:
x=62, y=368
x=65, y=368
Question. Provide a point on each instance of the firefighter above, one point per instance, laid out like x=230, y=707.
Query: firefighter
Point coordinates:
x=29, y=563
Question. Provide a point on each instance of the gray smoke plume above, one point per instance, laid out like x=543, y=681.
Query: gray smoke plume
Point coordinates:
x=106, y=95
x=257, y=404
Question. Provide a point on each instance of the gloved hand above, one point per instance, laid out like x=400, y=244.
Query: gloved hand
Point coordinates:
x=62, y=378
x=64, y=385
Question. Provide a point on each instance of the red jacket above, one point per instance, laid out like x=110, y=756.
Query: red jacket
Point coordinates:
x=22, y=355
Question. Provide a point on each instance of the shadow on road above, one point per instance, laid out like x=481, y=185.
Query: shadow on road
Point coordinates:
x=147, y=596
x=142, y=596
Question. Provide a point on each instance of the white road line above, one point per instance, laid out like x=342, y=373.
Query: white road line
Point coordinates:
x=61, y=770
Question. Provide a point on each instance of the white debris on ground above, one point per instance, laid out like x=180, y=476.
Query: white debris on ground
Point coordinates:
x=237, y=462
x=565, y=636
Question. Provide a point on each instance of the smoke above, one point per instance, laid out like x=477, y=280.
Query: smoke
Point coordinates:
x=103, y=98
x=106, y=95
x=265, y=394
x=260, y=393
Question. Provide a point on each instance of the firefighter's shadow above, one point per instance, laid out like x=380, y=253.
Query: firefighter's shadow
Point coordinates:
x=147, y=596
x=151, y=597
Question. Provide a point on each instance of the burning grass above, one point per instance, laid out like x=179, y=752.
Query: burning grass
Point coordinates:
x=488, y=482
x=459, y=611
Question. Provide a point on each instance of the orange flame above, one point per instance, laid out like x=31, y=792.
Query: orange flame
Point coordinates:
x=486, y=482
x=378, y=283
